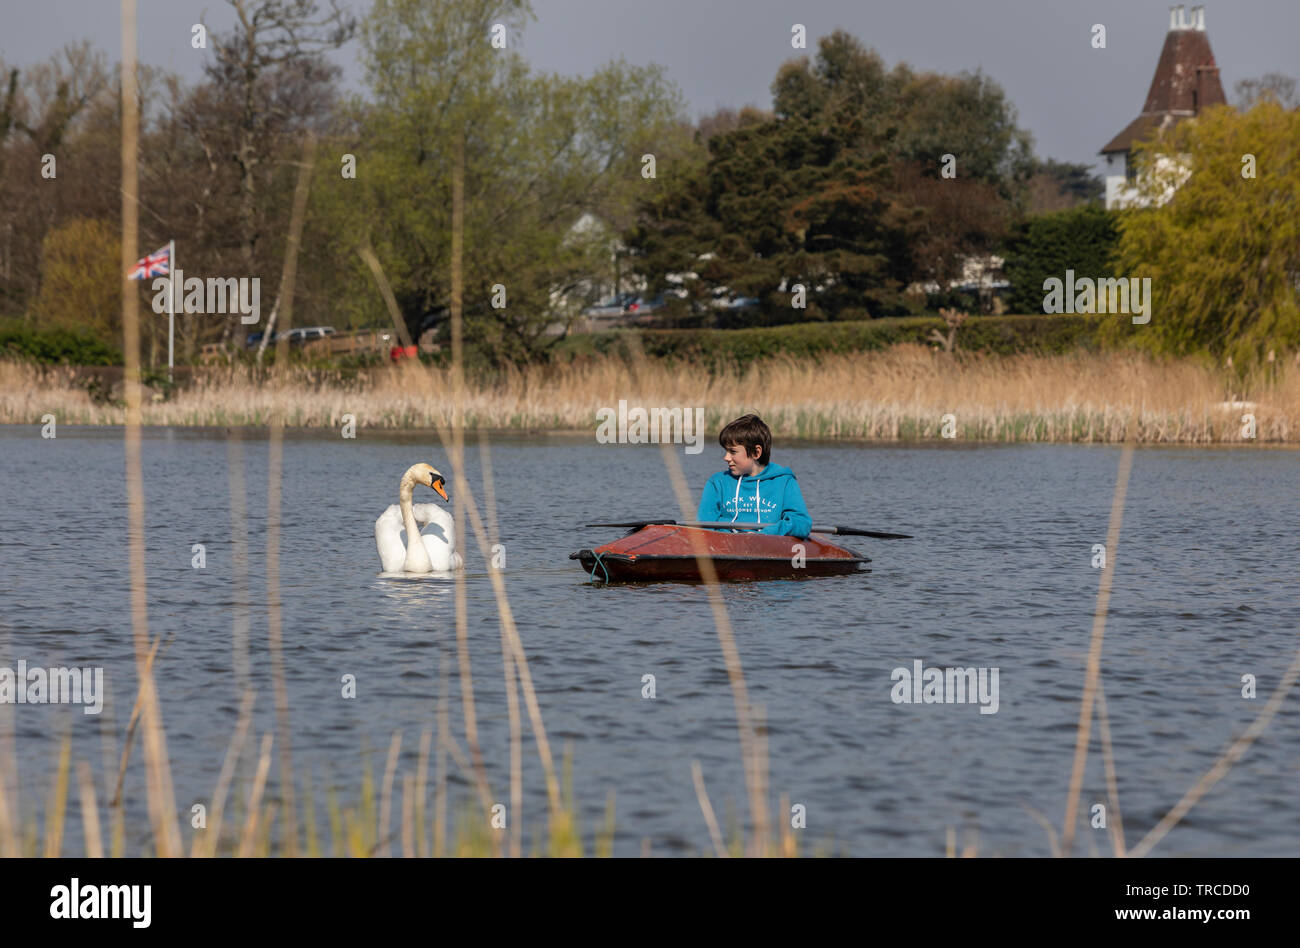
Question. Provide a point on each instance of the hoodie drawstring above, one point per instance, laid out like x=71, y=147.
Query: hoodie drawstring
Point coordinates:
x=758, y=496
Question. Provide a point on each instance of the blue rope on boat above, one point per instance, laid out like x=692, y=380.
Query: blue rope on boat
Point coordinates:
x=600, y=564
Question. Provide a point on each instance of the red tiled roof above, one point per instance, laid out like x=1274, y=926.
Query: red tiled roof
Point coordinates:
x=1140, y=129
x=1187, y=78
x=1186, y=81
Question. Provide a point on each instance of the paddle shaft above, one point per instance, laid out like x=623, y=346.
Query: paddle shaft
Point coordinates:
x=840, y=531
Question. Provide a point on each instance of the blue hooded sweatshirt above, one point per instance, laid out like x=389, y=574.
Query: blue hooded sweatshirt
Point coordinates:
x=771, y=496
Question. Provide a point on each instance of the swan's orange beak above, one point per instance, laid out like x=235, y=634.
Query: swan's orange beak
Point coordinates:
x=437, y=485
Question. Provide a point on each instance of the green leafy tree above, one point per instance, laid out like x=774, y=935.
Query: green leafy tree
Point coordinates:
x=540, y=152
x=81, y=279
x=1223, y=252
x=968, y=117
x=1082, y=239
x=779, y=204
x=841, y=191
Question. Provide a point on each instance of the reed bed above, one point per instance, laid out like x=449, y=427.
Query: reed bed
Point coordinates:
x=900, y=394
x=384, y=821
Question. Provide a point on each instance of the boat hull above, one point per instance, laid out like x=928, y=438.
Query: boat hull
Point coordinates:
x=666, y=553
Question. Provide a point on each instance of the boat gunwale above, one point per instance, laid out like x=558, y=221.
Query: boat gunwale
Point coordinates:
x=634, y=557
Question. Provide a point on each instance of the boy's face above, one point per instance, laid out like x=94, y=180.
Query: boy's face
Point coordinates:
x=739, y=462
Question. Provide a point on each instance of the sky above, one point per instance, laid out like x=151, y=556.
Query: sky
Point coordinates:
x=1071, y=96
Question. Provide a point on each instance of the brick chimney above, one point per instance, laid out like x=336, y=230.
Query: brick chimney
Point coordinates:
x=1180, y=20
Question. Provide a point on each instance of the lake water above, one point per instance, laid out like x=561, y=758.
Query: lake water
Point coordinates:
x=999, y=576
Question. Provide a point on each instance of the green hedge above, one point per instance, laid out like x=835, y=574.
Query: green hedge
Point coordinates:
x=55, y=346
x=995, y=334
x=714, y=347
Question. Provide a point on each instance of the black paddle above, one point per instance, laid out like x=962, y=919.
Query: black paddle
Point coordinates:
x=842, y=531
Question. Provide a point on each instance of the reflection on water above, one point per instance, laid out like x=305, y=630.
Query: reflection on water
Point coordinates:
x=412, y=594
x=999, y=575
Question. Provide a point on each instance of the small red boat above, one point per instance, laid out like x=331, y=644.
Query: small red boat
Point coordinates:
x=658, y=552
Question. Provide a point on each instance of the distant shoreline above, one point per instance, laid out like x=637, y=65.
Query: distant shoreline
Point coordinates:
x=907, y=394
x=579, y=435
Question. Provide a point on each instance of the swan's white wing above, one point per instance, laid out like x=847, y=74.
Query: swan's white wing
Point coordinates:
x=426, y=514
x=443, y=558
x=388, y=540
x=439, y=535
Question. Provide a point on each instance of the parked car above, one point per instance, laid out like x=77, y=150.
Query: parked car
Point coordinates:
x=253, y=339
x=614, y=306
x=644, y=306
x=348, y=343
x=723, y=298
x=299, y=336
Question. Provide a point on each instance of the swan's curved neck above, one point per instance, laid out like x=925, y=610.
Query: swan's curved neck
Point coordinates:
x=417, y=557
x=405, y=490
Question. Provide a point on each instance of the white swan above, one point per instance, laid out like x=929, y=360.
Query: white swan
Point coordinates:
x=435, y=551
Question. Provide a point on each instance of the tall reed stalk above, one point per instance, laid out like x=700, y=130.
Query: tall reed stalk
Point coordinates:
x=162, y=800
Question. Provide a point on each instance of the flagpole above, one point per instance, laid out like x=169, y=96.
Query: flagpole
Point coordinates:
x=171, y=305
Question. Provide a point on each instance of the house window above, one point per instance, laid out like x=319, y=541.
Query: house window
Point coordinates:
x=1130, y=170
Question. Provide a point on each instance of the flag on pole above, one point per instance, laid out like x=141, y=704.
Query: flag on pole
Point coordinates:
x=155, y=264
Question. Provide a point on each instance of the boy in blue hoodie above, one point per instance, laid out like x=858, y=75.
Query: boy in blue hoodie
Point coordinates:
x=752, y=489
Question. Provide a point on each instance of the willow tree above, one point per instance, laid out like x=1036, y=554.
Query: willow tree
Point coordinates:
x=1223, y=250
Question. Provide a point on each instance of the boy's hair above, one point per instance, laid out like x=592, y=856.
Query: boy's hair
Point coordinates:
x=750, y=432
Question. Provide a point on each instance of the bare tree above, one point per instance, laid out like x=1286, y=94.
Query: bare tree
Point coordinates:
x=954, y=319
x=58, y=92
x=44, y=110
x=275, y=44
x=1271, y=84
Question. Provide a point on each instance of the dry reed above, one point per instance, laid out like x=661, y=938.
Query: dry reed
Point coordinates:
x=161, y=798
x=897, y=394
x=1092, y=673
